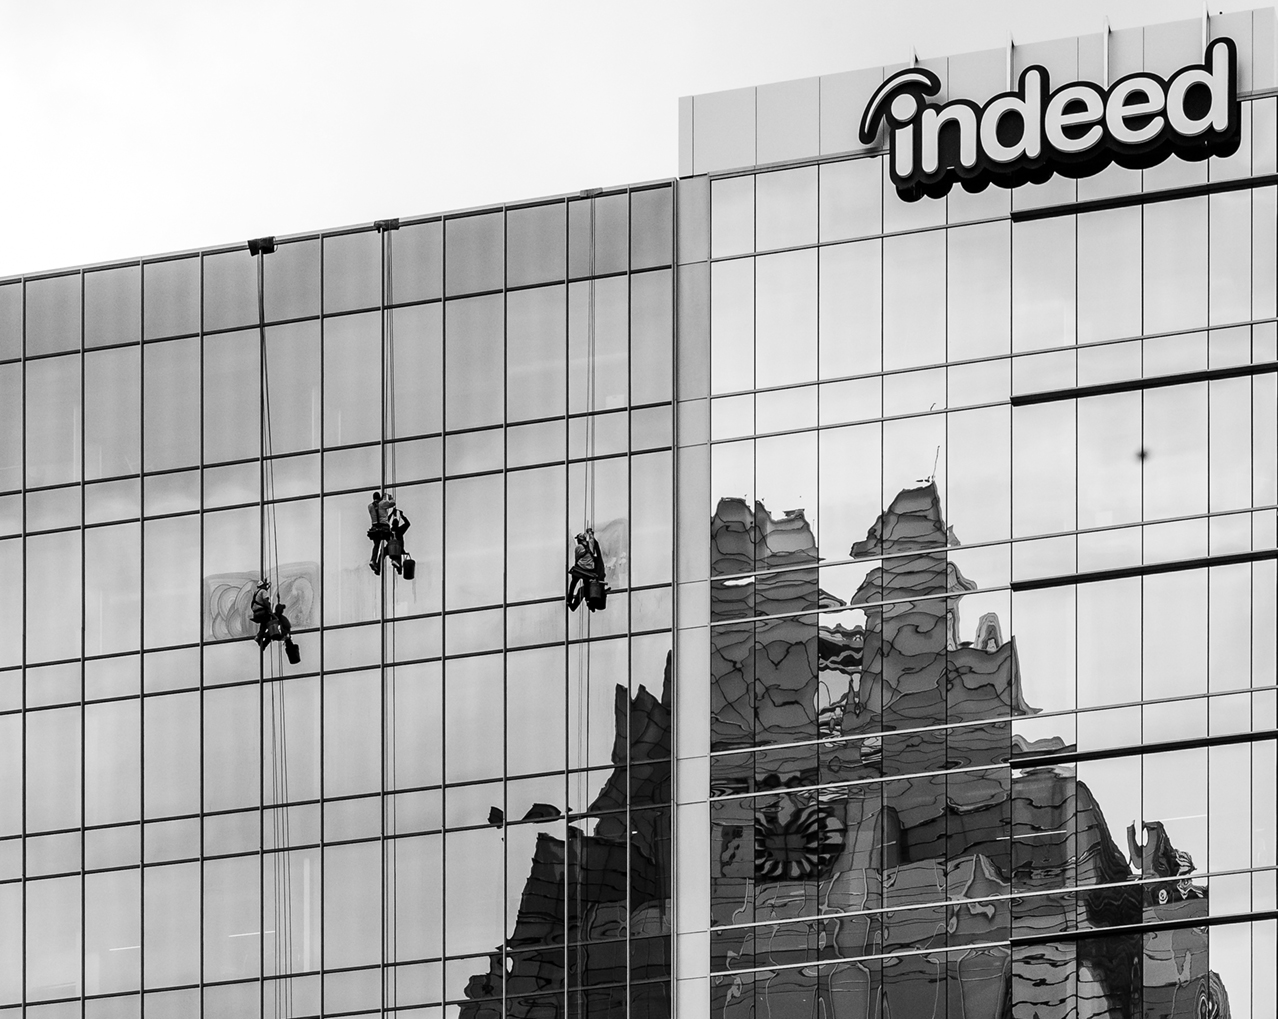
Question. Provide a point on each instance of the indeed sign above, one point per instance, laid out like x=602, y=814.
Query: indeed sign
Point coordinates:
x=1076, y=130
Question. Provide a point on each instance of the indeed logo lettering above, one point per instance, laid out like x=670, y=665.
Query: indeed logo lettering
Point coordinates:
x=1032, y=133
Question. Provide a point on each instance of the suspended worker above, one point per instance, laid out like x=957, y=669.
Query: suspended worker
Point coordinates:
x=586, y=577
x=379, y=512
x=279, y=628
x=260, y=612
x=400, y=560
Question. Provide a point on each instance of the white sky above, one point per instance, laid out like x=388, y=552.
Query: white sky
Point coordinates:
x=134, y=128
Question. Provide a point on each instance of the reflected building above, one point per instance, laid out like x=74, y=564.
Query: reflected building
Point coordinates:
x=815, y=757
x=914, y=834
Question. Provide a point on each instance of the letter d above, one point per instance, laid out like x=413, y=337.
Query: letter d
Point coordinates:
x=1217, y=75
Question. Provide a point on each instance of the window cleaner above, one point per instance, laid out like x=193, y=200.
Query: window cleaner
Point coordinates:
x=379, y=514
x=273, y=623
x=395, y=551
x=586, y=577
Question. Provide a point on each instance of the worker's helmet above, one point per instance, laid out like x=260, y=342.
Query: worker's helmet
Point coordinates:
x=580, y=538
x=264, y=583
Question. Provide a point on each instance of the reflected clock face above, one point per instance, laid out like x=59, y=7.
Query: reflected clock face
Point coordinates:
x=802, y=847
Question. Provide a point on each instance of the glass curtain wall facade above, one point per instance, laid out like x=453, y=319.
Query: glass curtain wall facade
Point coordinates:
x=936, y=674
x=990, y=618
x=459, y=802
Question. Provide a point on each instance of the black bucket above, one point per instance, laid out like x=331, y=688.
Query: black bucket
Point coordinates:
x=596, y=595
x=409, y=569
x=293, y=651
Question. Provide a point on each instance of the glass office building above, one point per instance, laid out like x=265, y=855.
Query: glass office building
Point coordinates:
x=936, y=676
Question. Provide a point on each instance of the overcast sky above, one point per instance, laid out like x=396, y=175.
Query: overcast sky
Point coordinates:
x=134, y=128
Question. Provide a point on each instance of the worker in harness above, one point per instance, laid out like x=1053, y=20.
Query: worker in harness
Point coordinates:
x=402, y=562
x=260, y=612
x=586, y=577
x=379, y=513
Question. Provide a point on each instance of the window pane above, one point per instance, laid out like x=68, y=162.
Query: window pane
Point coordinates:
x=786, y=317
x=291, y=281
x=53, y=769
x=171, y=305
x=732, y=325
x=536, y=240
x=535, y=539
x=171, y=407
x=352, y=379
x=1175, y=277
x=53, y=582
x=293, y=372
x=352, y=733
x=53, y=421
x=1043, y=273
x=473, y=553
x=418, y=345
x=1109, y=263
x=10, y=427
x=171, y=746
x=979, y=261
x=472, y=705
x=230, y=290
x=112, y=762
x=415, y=263
x=537, y=353
x=913, y=314
x=53, y=939
x=352, y=271
x=651, y=227
x=475, y=259
x=112, y=306
x=172, y=582
x=53, y=314
x=112, y=931
x=651, y=336
x=171, y=931
x=850, y=309
x=112, y=588
x=786, y=208
x=473, y=349
x=232, y=397
x=112, y=413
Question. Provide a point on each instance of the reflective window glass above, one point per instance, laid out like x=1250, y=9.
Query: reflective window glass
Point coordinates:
x=913, y=314
x=785, y=317
x=786, y=208
x=352, y=271
x=53, y=314
x=171, y=298
x=536, y=321
x=473, y=347
x=232, y=397
x=651, y=336
x=171, y=404
x=291, y=282
x=851, y=199
x=1043, y=275
x=536, y=242
x=651, y=227
x=415, y=263
x=353, y=365
x=10, y=320
x=475, y=257
x=112, y=306
x=230, y=289
x=112, y=413
x=1109, y=274
x=53, y=420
